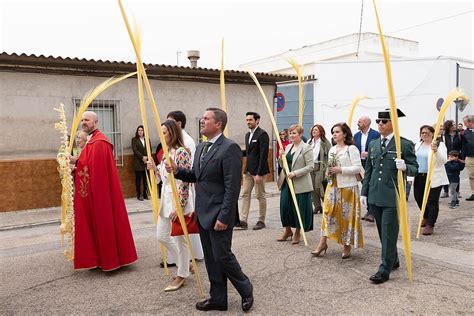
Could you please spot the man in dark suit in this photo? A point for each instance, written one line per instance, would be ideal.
(379, 189)
(362, 140)
(256, 168)
(217, 172)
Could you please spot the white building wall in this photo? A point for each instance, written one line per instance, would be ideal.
(417, 83)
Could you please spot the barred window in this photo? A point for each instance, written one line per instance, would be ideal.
(108, 112)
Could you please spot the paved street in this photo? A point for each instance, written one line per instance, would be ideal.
(35, 277)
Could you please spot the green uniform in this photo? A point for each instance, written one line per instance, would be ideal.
(379, 187)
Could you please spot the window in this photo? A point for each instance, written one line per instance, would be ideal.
(109, 123)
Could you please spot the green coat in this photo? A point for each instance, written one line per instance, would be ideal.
(381, 172)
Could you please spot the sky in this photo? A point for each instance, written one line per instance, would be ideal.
(252, 29)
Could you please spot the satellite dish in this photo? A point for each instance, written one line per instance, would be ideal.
(461, 104)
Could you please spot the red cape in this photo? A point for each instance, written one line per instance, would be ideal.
(103, 237)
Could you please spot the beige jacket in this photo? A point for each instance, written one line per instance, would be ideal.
(302, 165)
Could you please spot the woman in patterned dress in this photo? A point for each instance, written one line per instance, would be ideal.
(167, 212)
(341, 215)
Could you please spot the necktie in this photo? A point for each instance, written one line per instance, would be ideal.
(384, 140)
(205, 150)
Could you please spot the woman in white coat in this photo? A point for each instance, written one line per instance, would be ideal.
(167, 212)
(341, 212)
(439, 178)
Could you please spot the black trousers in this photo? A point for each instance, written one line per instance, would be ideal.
(221, 264)
(432, 205)
(140, 177)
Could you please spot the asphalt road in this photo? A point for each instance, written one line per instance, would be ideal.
(36, 278)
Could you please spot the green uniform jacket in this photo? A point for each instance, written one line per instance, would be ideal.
(381, 172)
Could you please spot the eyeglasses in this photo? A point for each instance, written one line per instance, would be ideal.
(425, 133)
(381, 121)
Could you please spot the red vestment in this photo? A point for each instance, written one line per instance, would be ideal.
(103, 237)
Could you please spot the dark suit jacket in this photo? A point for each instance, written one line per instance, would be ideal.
(217, 182)
(373, 134)
(257, 153)
(139, 151)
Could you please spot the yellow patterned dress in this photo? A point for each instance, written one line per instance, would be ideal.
(341, 215)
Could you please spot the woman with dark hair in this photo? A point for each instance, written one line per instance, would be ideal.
(139, 162)
(167, 212)
(341, 214)
(300, 163)
(438, 179)
(453, 141)
(320, 146)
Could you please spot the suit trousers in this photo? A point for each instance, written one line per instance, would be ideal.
(140, 177)
(432, 205)
(248, 185)
(319, 186)
(386, 219)
(176, 247)
(221, 264)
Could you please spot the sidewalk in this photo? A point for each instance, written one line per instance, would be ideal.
(52, 215)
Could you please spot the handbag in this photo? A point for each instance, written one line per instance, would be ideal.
(360, 175)
(191, 224)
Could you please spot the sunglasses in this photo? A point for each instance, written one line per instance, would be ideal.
(378, 121)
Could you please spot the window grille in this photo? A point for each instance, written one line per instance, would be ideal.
(108, 112)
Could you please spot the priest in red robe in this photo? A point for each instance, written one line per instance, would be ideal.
(103, 237)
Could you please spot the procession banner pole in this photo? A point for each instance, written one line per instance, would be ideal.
(455, 94)
(283, 157)
(156, 116)
(297, 69)
(355, 102)
(402, 203)
(222, 85)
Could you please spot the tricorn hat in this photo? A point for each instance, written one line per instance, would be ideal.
(385, 115)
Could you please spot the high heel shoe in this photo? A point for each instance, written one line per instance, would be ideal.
(317, 253)
(346, 254)
(285, 236)
(296, 239)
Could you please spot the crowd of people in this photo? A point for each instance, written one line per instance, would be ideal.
(338, 176)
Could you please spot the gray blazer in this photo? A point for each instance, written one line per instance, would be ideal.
(302, 165)
(217, 182)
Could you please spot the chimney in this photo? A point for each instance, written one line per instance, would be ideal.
(193, 56)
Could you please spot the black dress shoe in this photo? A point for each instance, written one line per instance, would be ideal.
(471, 198)
(396, 265)
(247, 303)
(379, 278)
(206, 305)
(162, 264)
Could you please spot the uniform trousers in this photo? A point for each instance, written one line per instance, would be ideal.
(386, 219)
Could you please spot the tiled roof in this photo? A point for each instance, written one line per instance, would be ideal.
(91, 67)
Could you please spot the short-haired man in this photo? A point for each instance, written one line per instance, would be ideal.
(381, 173)
(217, 172)
(103, 237)
(362, 140)
(467, 151)
(256, 168)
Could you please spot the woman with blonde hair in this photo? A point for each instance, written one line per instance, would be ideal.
(300, 162)
(341, 215)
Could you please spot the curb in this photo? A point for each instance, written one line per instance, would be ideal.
(57, 221)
